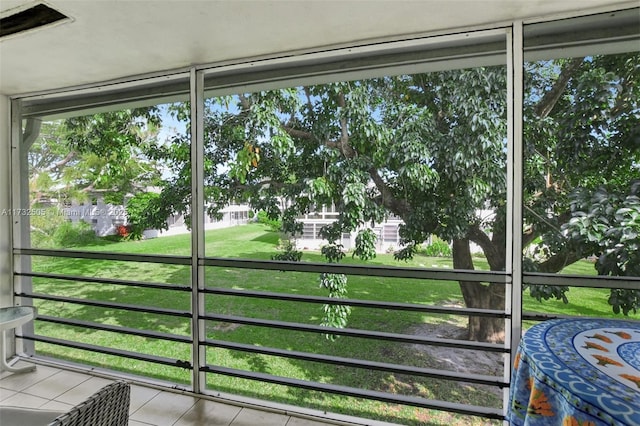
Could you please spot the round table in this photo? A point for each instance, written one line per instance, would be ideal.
(581, 372)
(12, 317)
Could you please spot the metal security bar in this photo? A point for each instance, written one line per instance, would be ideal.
(157, 258)
(591, 281)
(358, 302)
(105, 281)
(368, 270)
(117, 329)
(110, 351)
(124, 306)
(394, 337)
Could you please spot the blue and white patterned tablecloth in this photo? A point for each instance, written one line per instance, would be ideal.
(582, 372)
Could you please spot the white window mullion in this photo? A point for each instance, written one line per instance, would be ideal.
(515, 95)
(197, 227)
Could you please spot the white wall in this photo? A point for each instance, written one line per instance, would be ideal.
(104, 218)
(5, 191)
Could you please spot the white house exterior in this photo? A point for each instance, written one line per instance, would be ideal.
(387, 233)
(105, 218)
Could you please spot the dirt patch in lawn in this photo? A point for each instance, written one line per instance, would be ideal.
(454, 359)
(467, 361)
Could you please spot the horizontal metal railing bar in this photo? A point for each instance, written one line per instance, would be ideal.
(591, 281)
(103, 255)
(499, 277)
(109, 351)
(352, 362)
(496, 313)
(116, 329)
(396, 337)
(172, 287)
(473, 410)
(539, 316)
(124, 306)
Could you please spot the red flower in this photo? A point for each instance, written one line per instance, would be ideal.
(123, 231)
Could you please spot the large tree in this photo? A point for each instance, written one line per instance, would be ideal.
(431, 149)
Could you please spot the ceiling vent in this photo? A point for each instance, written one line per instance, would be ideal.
(29, 19)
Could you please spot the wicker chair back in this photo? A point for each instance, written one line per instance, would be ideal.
(107, 407)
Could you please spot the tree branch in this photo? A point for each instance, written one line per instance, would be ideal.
(70, 156)
(307, 93)
(303, 134)
(623, 98)
(345, 147)
(549, 100)
(494, 256)
(263, 183)
(535, 230)
(398, 206)
(90, 188)
(558, 261)
(244, 101)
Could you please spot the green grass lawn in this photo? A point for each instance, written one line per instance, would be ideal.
(256, 242)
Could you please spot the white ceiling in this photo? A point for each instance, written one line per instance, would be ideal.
(111, 39)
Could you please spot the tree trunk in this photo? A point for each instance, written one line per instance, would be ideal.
(479, 295)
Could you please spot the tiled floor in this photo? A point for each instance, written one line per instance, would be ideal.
(56, 389)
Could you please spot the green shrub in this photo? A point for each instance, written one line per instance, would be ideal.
(288, 251)
(437, 248)
(113, 238)
(44, 226)
(74, 234)
(274, 225)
